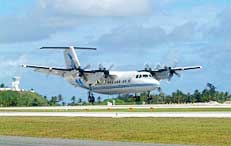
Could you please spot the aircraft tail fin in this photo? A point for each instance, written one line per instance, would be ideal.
(71, 58)
(70, 55)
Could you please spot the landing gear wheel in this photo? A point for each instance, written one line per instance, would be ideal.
(91, 98)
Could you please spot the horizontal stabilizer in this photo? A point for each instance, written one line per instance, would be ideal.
(63, 48)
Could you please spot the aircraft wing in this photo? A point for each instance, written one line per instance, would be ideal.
(90, 77)
(186, 68)
(48, 70)
(169, 72)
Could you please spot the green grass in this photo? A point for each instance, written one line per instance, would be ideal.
(132, 110)
(201, 131)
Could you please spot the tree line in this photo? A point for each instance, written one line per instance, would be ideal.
(14, 98)
(208, 94)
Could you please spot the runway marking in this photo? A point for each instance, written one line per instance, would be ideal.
(120, 114)
(28, 141)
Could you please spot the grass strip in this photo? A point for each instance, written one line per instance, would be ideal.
(199, 131)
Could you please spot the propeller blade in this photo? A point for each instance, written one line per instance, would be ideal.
(158, 66)
(177, 74)
(111, 67)
(170, 76)
(85, 77)
(87, 67)
(101, 67)
(175, 62)
(147, 66)
(112, 77)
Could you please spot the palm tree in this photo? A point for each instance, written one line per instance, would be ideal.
(2, 85)
(60, 98)
(63, 103)
(99, 99)
(197, 95)
(73, 99)
(80, 100)
(53, 100)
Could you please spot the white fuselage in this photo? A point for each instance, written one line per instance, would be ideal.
(124, 82)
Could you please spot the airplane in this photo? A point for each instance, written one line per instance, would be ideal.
(105, 81)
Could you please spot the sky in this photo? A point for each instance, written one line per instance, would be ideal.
(127, 33)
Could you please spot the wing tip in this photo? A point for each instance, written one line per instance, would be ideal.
(24, 65)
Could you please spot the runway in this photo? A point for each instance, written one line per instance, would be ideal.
(28, 141)
(121, 114)
(98, 107)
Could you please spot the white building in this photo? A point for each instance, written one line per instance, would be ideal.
(15, 85)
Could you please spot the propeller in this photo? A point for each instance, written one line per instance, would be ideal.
(82, 71)
(147, 67)
(106, 71)
(162, 68)
(172, 73)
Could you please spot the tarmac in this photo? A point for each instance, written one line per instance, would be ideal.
(29, 141)
(155, 106)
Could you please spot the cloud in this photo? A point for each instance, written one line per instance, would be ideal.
(29, 28)
(11, 67)
(183, 33)
(12, 62)
(139, 36)
(134, 36)
(222, 26)
(96, 7)
(33, 27)
(50, 17)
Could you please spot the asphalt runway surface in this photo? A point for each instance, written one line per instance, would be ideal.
(28, 141)
(120, 114)
(194, 105)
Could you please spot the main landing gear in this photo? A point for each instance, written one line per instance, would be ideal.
(150, 98)
(91, 98)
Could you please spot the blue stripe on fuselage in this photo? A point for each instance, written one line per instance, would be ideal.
(80, 83)
(121, 86)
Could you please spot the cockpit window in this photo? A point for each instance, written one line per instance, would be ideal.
(145, 76)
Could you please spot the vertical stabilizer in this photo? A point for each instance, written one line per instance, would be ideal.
(71, 58)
